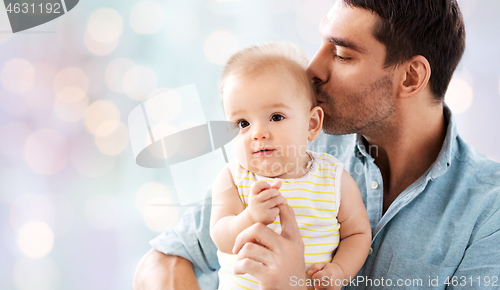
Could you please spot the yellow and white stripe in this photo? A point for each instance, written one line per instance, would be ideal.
(315, 199)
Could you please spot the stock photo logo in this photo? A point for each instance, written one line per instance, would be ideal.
(26, 14)
(170, 131)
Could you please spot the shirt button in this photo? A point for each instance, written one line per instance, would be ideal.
(374, 184)
(371, 251)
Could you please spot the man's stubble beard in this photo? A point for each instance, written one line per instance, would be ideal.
(360, 114)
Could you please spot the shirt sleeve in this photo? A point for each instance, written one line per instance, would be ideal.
(480, 266)
(190, 239)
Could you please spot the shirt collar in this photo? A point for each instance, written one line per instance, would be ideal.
(444, 158)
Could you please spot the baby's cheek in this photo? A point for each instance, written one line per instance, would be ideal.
(241, 151)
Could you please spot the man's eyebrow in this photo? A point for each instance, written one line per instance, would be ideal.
(347, 44)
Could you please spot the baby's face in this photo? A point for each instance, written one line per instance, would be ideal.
(273, 117)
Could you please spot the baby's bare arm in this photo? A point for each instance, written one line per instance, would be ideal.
(355, 231)
(229, 218)
(355, 236)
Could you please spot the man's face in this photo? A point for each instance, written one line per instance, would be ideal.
(353, 86)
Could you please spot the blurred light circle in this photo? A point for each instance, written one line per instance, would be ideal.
(158, 92)
(70, 104)
(73, 77)
(147, 17)
(29, 207)
(87, 160)
(219, 46)
(35, 239)
(18, 75)
(71, 95)
(17, 132)
(111, 137)
(100, 112)
(107, 128)
(99, 48)
(102, 212)
(182, 26)
(168, 107)
(148, 192)
(459, 96)
(45, 151)
(115, 72)
(39, 274)
(105, 25)
(139, 82)
(154, 202)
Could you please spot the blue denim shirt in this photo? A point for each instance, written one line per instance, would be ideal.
(442, 232)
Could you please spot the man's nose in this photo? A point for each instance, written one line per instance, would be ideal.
(259, 132)
(318, 68)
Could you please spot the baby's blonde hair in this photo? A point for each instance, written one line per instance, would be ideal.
(254, 59)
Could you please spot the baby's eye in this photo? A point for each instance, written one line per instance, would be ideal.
(243, 123)
(277, 118)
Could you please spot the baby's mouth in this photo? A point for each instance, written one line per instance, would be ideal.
(264, 152)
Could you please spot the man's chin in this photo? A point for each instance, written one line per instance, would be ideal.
(335, 129)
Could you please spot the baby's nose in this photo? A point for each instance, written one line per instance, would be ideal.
(260, 132)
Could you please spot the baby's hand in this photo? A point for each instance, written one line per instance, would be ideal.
(332, 271)
(263, 201)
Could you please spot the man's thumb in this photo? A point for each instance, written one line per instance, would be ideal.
(289, 227)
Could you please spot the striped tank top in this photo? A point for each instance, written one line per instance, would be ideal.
(315, 199)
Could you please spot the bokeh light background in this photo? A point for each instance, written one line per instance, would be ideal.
(74, 206)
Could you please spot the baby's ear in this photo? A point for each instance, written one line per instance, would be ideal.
(315, 122)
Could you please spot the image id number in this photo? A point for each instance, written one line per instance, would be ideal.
(25, 8)
(470, 281)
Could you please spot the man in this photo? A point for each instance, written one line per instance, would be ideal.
(433, 201)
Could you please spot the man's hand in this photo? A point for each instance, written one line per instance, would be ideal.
(331, 270)
(275, 260)
(263, 202)
(157, 271)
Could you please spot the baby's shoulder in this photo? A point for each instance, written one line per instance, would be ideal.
(326, 159)
(224, 180)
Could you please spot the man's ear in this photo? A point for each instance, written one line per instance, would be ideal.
(416, 75)
(316, 116)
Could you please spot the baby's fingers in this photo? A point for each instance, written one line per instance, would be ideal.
(259, 186)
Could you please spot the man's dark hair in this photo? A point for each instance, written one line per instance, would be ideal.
(431, 28)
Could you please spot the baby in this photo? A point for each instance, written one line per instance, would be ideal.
(267, 93)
